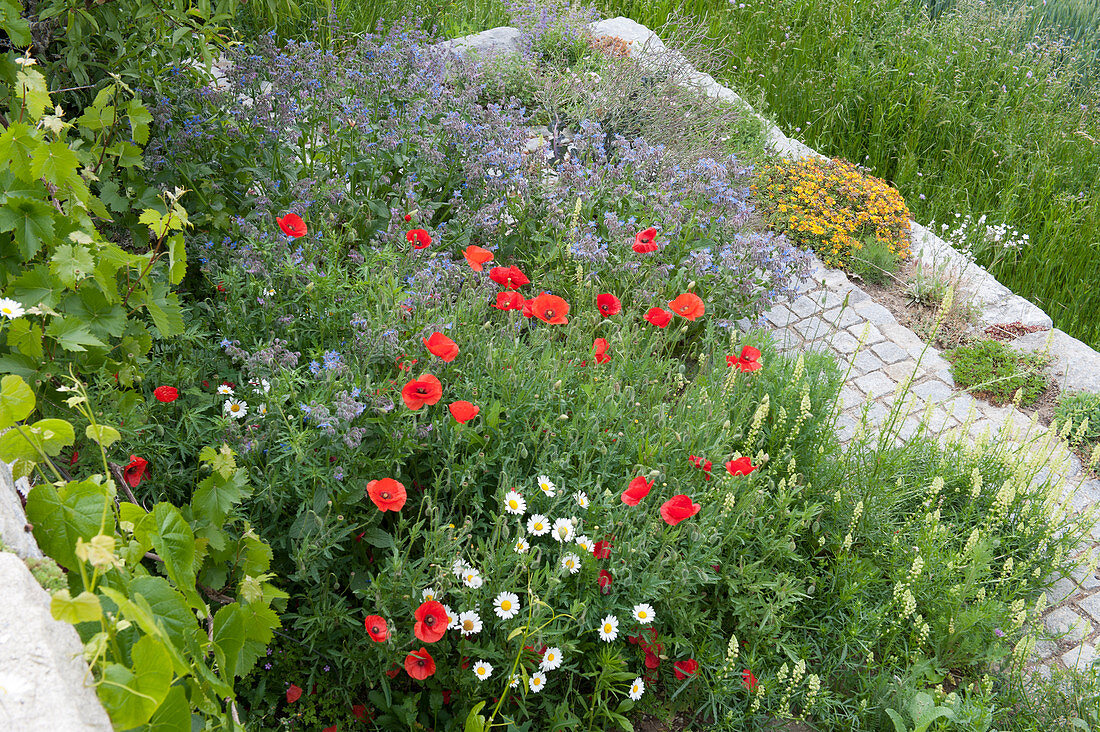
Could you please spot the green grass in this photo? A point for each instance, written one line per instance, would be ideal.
(998, 371)
(932, 95)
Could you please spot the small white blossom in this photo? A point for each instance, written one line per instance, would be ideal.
(571, 562)
(637, 689)
(563, 530)
(225, 390)
(538, 524)
(537, 681)
(644, 614)
(514, 503)
(235, 408)
(506, 605)
(609, 629)
(582, 499)
(11, 309)
(551, 659)
(469, 622)
(482, 670)
(522, 546)
(546, 486)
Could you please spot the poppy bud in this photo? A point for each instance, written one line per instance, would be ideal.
(726, 425)
(557, 384)
(563, 417)
(691, 285)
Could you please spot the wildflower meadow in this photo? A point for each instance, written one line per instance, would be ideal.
(363, 386)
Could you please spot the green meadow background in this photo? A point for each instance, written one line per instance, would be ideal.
(967, 107)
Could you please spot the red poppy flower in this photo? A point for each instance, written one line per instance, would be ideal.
(704, 465)
(418, 392)
(604, 581)
(740, 466)
(447, 696)
(688, 306)
(509, 301)
(748, 679)
(293, 694)
(166, 394)
(431, 622)
(608, 304)
(637, 490)
(476, 256)
(420, 664)
(74, 458)
(652, 660)
(463, 411)
(393, 672)
(376, 628)
(602, 550)
(678, 508)
(550, 309)
(359, 711)
(748, 361)
(408, 217)
(419, 238)
(600, 345)
(387, 494)
(644, 241)
(509, 277)
(405, 365)
(442, 346)
(658, 317)
(686, 668)
(292, 225)
(525, 308)
(134, 473)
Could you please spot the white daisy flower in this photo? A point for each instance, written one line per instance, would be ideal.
(225, 390)
(582, 499)
(515, 681)
(452, 618)
(262, 410)
(538, 524)
(472, 578)
(609, 629)
(459, 567)
(11, 309)
(469, 622)
(585, 543)
(522, 546)
(551, 659)
(429, 594)
(235, 408)
(563, 530)
(482, 670)
(507, 605)
(571, 562)
(269, 292)
(644, 614)
(537, 681)
(261, 386)
(637, 689)
(514, 503)
(546, 486)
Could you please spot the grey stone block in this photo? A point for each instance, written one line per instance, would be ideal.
(1060, 590)
(876, 313)
(865, 362)
(876, 383)
(844, 343)
(841, 317)
(933, 391)
(813, 327)
(1064, 623)
(805, 306)
(902, 370)
(780, 316)
(1074, 365)
(42, 669)
(890, 352)
(1080, 658)
(1044, 649)
(493, 41)
(874, 335)
(13, 521)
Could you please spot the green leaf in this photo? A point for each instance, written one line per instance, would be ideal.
(101, 433)
(12, 23)
(16, 401)
(140, 119)
(169, 608)
(36, 285)
(254, 555)
(173, 714)
(130, 696)
(71, 263)
(475, 722)
(16, 145)
(32, 90)
(377, 537)
(91, 306)
(27, 338)
(31, 222)
(216, 496)
(229, 636)
(61, 517)
(260, 622)
(221, 461)
(72, 334)
(175, 543)
(177, 259)
(164, 309)
(28, 442)
(55, 163)
(109, 259)
(83, 608)
(55, 435)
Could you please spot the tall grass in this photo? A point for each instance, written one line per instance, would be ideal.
(967, 107)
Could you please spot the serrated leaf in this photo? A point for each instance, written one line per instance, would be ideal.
(16, 145)
(89, 305)
(131, 695)
(61, 517)
(164, 308)
(102, 434)
(72, 334)
(13, 24)
(55, 163)
(254, 555)
(140, 119)
(177, 259)
(109, 259)
(55, 434)
(175, 543)
(16, 401)
(229, 637)
(173, 714)
(169, 608)
(27, 337)
(216, 496)
(30, 221)
(36, 285)
(31, 88)
(71, 263)
(83, 608)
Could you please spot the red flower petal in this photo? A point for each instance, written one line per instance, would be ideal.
(387, 494)
(637, 490)
(420, 664)
(476, 257)
(419, 238)
(688, 306)
(740, 466)
(550, 309)
(377, 628)
(686, 668)
(292, 225)
(166, 394)
(463, 411)
(134, 473)
(431, 622)
(678, 508)
(658, 317)
(293, 694)
(418, 392)
(608, 304)
(510, 277)
(442, 346)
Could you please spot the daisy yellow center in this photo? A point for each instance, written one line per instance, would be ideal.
(506, 605)
(469, 578)
(568, 562)
(237, 408)
(607, 627)
(6, 310)
(536, 682)
(643, 614)
(550, 657)
(428, 597)
(538, 527)
(513, 503)
(467, 625)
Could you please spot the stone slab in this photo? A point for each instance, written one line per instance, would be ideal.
(1074, 365)
(13, 521)
(42, 669)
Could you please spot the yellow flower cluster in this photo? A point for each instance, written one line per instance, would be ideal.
(831, 206)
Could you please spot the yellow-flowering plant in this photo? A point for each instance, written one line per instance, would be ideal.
(832, 207)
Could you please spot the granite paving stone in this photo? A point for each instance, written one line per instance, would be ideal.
(1065, 624)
